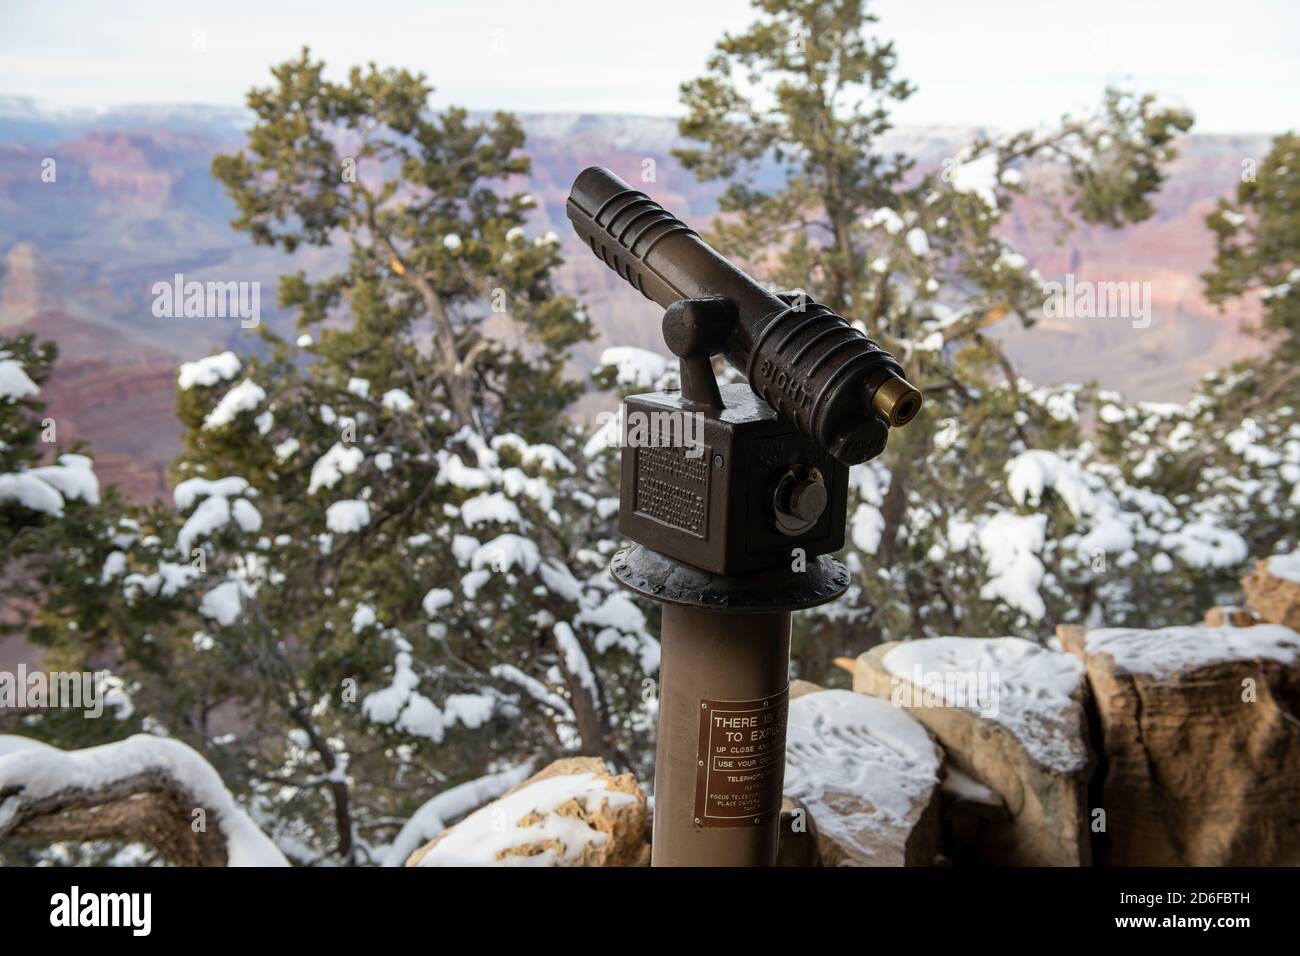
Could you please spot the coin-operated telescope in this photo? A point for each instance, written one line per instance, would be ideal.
(735, 498)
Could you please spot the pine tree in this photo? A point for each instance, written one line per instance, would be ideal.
(55, 531)
(1257, 245)
(385, 570)
(1233, 451)
(1236, 444)
(24, 367)
(53, 517)
(941, 541)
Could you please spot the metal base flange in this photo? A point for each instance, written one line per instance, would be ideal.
(661, 578)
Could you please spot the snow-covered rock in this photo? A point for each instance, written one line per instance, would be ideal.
(1273, 590)
(143, 788)
(1201, 742)
(573, 813)
(975, 818)
(799, 843)
(869, 775)
(429, 821)
(1010, 714)
(1227, 616)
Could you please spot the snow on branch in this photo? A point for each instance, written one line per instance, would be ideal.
(575, 658)
(49, 487)
(143, 789)
(534, 689)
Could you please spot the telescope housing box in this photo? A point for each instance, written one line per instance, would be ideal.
(701, 485)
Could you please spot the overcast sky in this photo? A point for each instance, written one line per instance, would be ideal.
(1005, 63)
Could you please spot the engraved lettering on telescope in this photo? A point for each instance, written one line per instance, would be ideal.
(673, 488)
(787, 382)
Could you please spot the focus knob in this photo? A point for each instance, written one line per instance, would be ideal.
(799, 500)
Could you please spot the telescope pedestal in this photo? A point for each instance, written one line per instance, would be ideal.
(708, 657)
(724, 685)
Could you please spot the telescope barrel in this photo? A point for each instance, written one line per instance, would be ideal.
(806, 362)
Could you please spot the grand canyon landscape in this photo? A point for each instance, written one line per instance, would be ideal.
(134, 203)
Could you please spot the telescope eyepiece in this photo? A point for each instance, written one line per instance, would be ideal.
(895, 400)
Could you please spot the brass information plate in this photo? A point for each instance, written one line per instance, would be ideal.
(740, 761)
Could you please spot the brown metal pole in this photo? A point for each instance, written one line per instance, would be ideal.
(720, 759)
